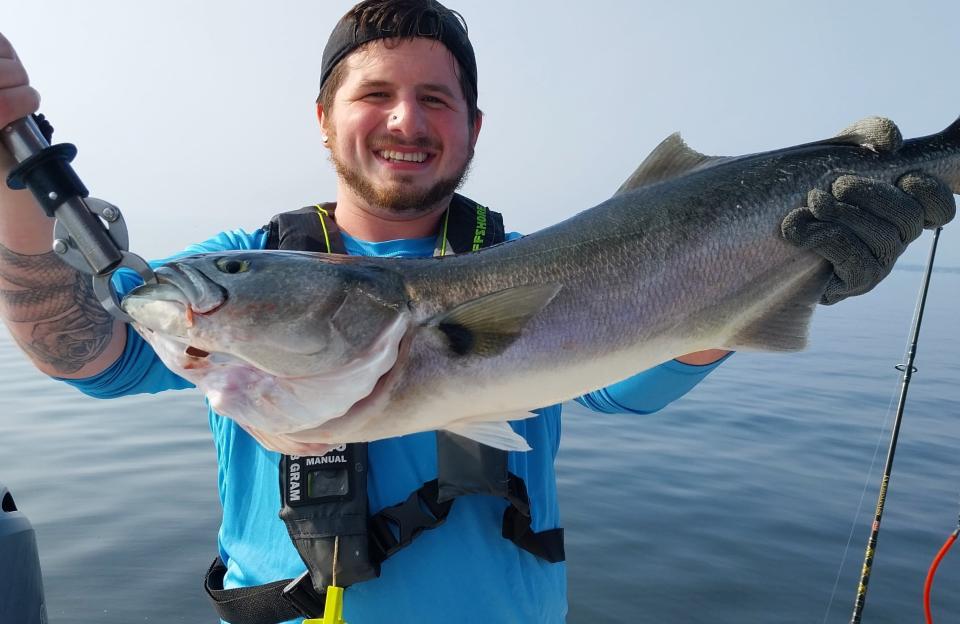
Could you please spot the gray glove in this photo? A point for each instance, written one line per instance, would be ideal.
(862, 226)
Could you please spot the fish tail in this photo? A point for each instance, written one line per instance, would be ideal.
(951, 135)
(953, 130)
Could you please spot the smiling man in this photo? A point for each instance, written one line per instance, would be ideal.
(401, 134)
(424, 528)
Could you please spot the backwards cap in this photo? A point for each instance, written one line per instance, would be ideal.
(432, 21)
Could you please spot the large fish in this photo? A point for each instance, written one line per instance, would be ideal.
(308, 350)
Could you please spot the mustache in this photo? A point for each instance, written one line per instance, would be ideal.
(424, 142)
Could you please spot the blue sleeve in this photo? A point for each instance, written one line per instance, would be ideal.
(138, 370)
(649, 391)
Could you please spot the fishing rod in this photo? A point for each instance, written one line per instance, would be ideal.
(907, 369)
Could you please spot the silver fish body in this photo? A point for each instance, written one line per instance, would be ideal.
(687, 256)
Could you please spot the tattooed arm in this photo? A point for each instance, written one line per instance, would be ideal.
(48, 306)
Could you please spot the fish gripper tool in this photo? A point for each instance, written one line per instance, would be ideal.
(89, 234)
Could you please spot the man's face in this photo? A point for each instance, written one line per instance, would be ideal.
(398, 130)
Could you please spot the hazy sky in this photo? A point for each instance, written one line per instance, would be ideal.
(196, 117)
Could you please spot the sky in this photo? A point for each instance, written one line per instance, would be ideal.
(196, 117)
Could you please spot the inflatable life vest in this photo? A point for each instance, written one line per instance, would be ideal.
(324, 500)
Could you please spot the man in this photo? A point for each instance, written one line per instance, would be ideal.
(398, 109)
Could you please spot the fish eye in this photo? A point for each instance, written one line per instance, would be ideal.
(232, 265)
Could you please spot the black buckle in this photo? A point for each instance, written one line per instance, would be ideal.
(304, 598)
(409, 518)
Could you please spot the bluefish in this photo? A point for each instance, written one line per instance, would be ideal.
(307, 348)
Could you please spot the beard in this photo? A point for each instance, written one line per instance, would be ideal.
(399, 196)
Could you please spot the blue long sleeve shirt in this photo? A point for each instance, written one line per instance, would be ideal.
(463, 570)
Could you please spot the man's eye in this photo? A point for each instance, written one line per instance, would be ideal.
(232, 265)
(376, 95)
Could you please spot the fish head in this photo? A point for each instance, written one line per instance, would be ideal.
(285, 313)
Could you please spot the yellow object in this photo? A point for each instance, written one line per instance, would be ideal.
(332, 609)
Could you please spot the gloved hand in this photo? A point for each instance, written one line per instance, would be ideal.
(863, 225)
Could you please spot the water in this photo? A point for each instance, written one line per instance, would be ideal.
(733, 505)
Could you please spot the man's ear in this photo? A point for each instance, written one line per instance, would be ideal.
(322, 120)
(477, 123)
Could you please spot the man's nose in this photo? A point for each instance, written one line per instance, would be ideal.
(407, 118)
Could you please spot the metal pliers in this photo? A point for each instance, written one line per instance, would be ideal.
(89, 234)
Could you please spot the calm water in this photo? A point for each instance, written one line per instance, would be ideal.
(733, 505)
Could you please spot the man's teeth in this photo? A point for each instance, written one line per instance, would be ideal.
(404, 156)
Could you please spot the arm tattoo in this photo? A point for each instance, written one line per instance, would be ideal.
(71, 328)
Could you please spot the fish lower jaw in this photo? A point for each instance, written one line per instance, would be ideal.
(169, 318)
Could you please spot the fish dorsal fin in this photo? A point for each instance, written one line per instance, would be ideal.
(671, 159)
(487, 325)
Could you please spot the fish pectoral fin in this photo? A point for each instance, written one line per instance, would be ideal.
(488, 325)
(671, 159)
(496, 434)
(784, 324)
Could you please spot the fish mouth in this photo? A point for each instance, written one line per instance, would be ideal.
(197, 292)
(184, 285)
(180, 292)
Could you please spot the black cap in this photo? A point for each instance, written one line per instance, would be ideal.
(437, 22)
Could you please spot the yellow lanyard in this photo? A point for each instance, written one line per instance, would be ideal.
(333, 607)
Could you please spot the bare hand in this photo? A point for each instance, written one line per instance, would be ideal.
(17, 98)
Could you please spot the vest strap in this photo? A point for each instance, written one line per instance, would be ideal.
(310, 228)
(260, 604)
(465, 466)
(389, 530)
(548, 545)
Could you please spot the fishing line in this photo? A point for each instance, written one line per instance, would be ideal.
(907, 369)
(863, 495)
